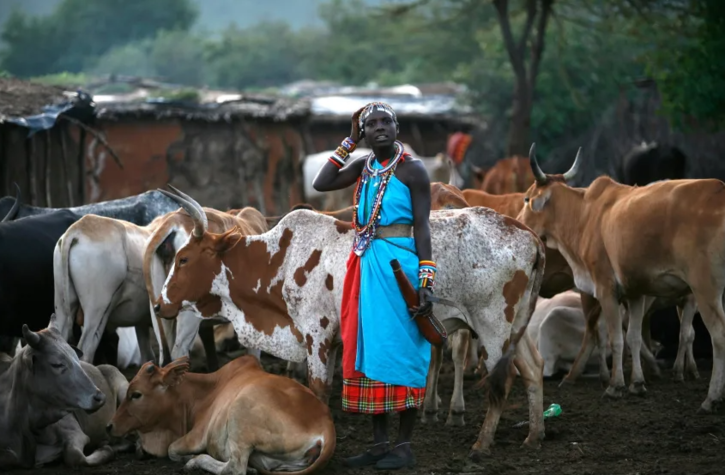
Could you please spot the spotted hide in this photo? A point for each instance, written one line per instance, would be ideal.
(282, 290)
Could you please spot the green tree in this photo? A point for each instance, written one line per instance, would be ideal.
(79, 31)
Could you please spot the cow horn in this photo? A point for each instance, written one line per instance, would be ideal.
(16, 205)
(31, 338)
(193, 208)
(569, 175)
(535, 168)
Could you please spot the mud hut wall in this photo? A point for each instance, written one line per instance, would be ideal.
(427, 137)
(44, 165)
(223, 165)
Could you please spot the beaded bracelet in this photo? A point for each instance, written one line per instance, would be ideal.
(343, 152)
(427, 274)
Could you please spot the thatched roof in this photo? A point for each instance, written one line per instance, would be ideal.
(20, 98)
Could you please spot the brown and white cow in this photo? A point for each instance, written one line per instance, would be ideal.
(169, 236)
(282, 290)
(236, 418)
(625, 243)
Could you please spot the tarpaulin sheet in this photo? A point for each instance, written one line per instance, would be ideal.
(80, 108)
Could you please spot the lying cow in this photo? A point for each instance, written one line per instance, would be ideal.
(52, 405)
(557, 327)
(237, 417)
(282, 290)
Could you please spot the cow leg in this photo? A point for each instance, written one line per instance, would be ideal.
(297, 370)
(94, 326)
(460, 342)
(323, 359)
(610, 311)
(482, 446)
(431, 400)
(206, 333)
(75, 440)
(686, 313)
(144, 342)
(709, 300)
(472, 360)
(193, 443)
(592, 312)
(531, 368)
(635, 309)
(188, 325)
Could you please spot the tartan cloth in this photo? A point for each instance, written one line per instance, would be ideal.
(367, 396)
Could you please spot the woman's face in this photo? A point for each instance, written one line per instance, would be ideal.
(380, 129)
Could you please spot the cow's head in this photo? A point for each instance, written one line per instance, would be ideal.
(56, 375)
(150, 403)
(546, 195)
(196, 264)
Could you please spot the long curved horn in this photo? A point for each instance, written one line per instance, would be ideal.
(195, 211)
(539, 175)
(202, 213)
(569, 175)
(13, 211)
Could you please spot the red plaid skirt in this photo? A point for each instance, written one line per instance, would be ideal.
(366, 396)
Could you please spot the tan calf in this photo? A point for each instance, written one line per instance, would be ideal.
(227, 421)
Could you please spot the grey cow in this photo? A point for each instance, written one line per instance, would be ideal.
(52, 405)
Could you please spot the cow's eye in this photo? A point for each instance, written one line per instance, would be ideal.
(57, 365)
(135, 395)
(183, 261)
(526, 199)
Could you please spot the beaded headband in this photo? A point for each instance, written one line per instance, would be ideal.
(377, 106)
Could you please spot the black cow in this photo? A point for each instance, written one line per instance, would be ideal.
(139, 209)
(26, 270)
(647, 163)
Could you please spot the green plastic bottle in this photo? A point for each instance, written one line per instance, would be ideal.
(553, 411)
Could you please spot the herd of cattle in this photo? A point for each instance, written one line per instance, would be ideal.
(546, 277)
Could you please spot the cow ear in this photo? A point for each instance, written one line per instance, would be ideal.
(174, 373)
(228, 240)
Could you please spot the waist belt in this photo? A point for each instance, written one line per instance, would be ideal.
(394, 230)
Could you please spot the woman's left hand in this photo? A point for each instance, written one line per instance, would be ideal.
(423, 294)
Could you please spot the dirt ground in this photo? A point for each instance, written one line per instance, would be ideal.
(657, 434)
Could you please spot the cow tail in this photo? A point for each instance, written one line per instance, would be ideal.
(65, 242)
(149, 254)
(495, 381)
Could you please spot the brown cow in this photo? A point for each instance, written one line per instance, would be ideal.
(508, 175)
(240, 415)
(625, 243)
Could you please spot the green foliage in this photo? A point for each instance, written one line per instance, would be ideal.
(79, 31)
(690, 71)
(64, 79)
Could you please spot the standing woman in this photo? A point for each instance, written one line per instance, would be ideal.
(385, 357)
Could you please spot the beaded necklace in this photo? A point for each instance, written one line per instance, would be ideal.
(365, 233)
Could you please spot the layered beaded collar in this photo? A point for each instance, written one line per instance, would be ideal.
(365, 233)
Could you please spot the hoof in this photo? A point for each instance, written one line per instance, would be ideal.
(614, 393)
(708, 407)
(429, 417)
(678, 377)
(533, 443)
(637, 388)
(455, 418)
(694, 375)
(476, 456)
